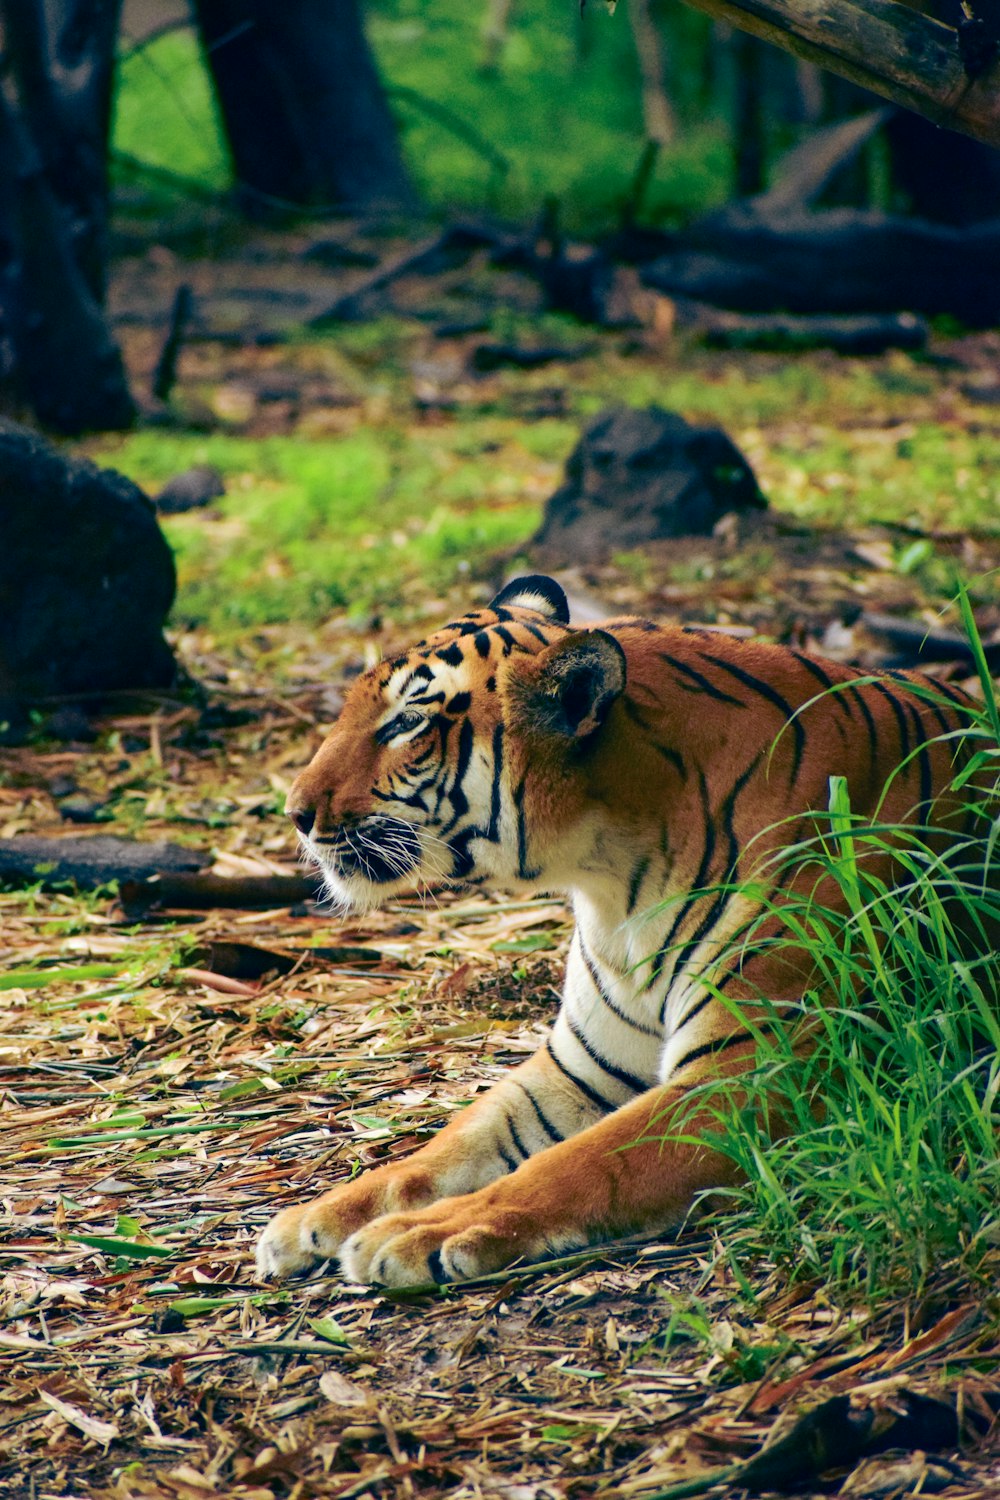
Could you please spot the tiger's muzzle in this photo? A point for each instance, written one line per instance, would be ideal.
(379, 849)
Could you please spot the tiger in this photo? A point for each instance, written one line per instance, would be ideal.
(642, 770)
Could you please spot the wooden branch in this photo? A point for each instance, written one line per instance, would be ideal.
(197, 892)
(92, 861)
(885, 46)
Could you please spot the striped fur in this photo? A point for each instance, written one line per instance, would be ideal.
(646, 771)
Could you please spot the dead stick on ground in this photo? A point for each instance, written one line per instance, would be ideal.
(166, 366)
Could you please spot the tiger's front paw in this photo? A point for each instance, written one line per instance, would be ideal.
(453, 1240)
(285, 1246)
(301, 1237)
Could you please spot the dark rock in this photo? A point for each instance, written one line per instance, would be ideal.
(190, 490)
(79, 808)
(636, 476)
(68, 724)
(86, 576)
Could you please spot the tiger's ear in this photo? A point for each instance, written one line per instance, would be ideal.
(536, 592)
(569, 688)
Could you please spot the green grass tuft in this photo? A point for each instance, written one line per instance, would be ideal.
(886, 1165)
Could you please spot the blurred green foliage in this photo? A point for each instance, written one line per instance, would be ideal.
(561, 116)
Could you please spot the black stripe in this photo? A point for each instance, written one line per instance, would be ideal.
(493, 828)
(695, 1010)
(924, 762)
(509, 640)
(518, 1143)
(413, 800)
(459, 846)
(675, 758)
(603, 994)
(578, 1083)
(524, 872)
(482, 644)
(957, 695)
(820, 674)
(945, 724)
(720, 1044)
(505, 1156)
(656, 967)
(858, 697)
(452, 654)
(898, 714)
(635, 884)
(758, 685)
(456, 795)
(555, 1136)
(700, 679)
(630, 1080)
(536, 631)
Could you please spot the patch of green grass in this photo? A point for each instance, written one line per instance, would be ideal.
(936, 477)
(314, 525)
(165, 112)
(345, 525)
(886, 1165)
(564, 110)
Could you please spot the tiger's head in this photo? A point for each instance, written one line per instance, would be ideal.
(464, 759)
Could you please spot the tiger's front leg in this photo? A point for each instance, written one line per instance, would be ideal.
(617, 1177)
(533, 1108)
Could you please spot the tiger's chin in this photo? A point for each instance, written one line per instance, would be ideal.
(354, 893)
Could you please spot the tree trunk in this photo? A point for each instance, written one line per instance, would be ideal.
(303, 107)
(749, 145)
(63, 56)
(948, 74)
(53, 211)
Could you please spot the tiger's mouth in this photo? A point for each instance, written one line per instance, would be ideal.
(378, 849)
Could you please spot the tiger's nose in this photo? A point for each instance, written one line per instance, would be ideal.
(303, 818)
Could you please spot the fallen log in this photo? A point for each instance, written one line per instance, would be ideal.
(156, 891)
(836, 261)
(852, 333)
(92, 861)
(489, 357)
(950, 73)
(914, 644)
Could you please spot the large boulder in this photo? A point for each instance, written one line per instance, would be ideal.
(86, 576)
(636, 476)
